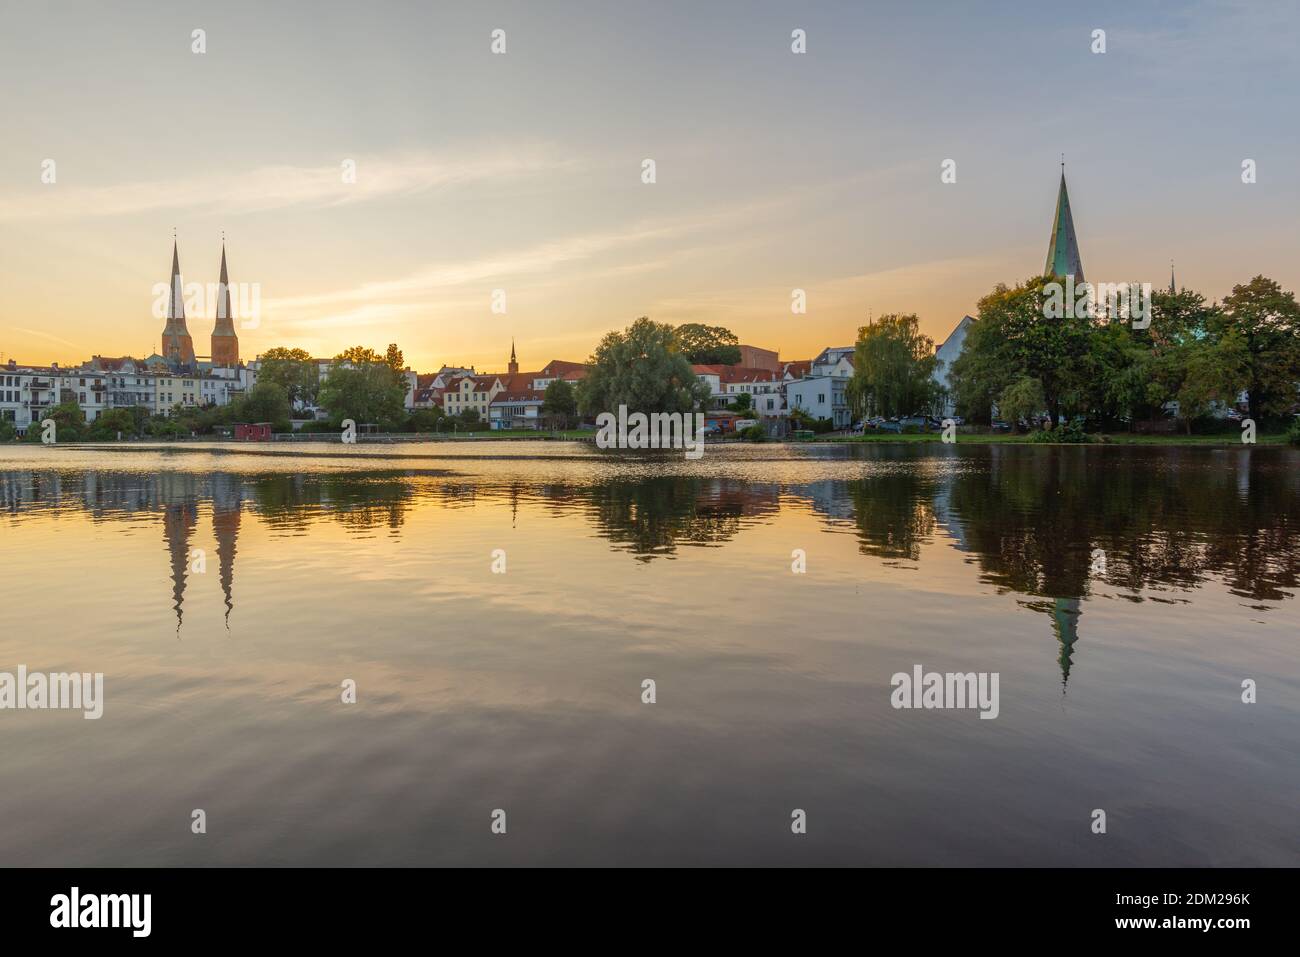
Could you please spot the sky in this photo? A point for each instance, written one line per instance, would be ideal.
(523, 171)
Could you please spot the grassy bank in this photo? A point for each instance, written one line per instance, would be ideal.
(1115, 438)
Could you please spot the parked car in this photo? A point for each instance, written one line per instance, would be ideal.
(891, 425)
(1000, 426)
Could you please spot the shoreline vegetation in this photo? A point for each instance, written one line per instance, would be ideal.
(1223, 440)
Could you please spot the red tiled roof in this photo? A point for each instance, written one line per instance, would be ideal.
(522, 395)
(747, 374)
(558, 367)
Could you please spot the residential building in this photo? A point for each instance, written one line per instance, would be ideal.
(945, 354)
(822, 397)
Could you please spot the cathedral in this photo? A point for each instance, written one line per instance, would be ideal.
(177, 345)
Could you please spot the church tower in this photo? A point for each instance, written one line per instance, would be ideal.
(1063, 247)
(177, 346)
(514, 363)
(225, 342)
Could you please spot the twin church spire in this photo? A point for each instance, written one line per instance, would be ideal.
(177, 345)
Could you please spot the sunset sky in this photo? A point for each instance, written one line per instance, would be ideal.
(522, 171)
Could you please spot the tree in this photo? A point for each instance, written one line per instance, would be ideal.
(1266, 319)
(707, 345)
(470, 419)
(69, 423)
(366, 392)
(560, 402)
(7, 430)
(643, 369)
(111, 422)
(1023, 399)
(393, 357)
(742, 404)
(294, 371)
(1015, 339)
(265, 402)
(893, 368)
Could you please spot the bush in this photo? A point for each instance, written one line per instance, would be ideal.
(1071, 433)
(7, 431)
(754, 433)
(1293, 433)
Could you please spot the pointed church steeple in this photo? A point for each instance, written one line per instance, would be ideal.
(176, 300)
(514, 363)
(225, 341)
(1063, 247)
(177, 346)
(1173, 288)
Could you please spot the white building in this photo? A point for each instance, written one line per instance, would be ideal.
(822, 397)
(946, 354)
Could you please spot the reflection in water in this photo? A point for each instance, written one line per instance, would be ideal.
(1148, 582)
(1031, 520)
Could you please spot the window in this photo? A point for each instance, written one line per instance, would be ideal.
(821, 398)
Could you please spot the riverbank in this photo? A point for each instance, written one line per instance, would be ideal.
(1225, 439)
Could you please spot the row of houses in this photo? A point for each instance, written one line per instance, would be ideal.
(776, 389)
(29, 392)
(514, 399)
(509, 400)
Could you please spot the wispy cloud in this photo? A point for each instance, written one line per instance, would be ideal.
(281, 186)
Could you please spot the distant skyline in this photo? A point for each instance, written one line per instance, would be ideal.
(522, 171)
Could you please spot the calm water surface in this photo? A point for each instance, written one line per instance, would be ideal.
(1122, 594)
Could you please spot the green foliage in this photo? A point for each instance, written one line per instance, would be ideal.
(470, 420)
(69, 421)
(560, 403)
(754, 433)
(112, 421)
(1022, 399)
(368, 391)
(707, 345)
(293, 370)
(742, 404)
(8, 431)
(1293, 433)
(265, 402)
(425, 420)
(1266, 321)
(642, 369)
(893, 365)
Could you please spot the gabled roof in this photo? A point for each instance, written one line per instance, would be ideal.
(796, 369)
(732, 374)
(558, 367)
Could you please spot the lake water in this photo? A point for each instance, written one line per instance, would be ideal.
(1122, 595)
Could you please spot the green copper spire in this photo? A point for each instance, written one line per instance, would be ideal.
(1063, 248)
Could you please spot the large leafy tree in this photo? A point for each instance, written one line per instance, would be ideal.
(893, 368)
(265, 402)
(293, 371)
(643, 369)
(1266, 320)
(362, 386)
(1015, 339)
(708, 345)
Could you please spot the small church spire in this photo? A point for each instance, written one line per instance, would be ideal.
(514, 363)
(1172, 287)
